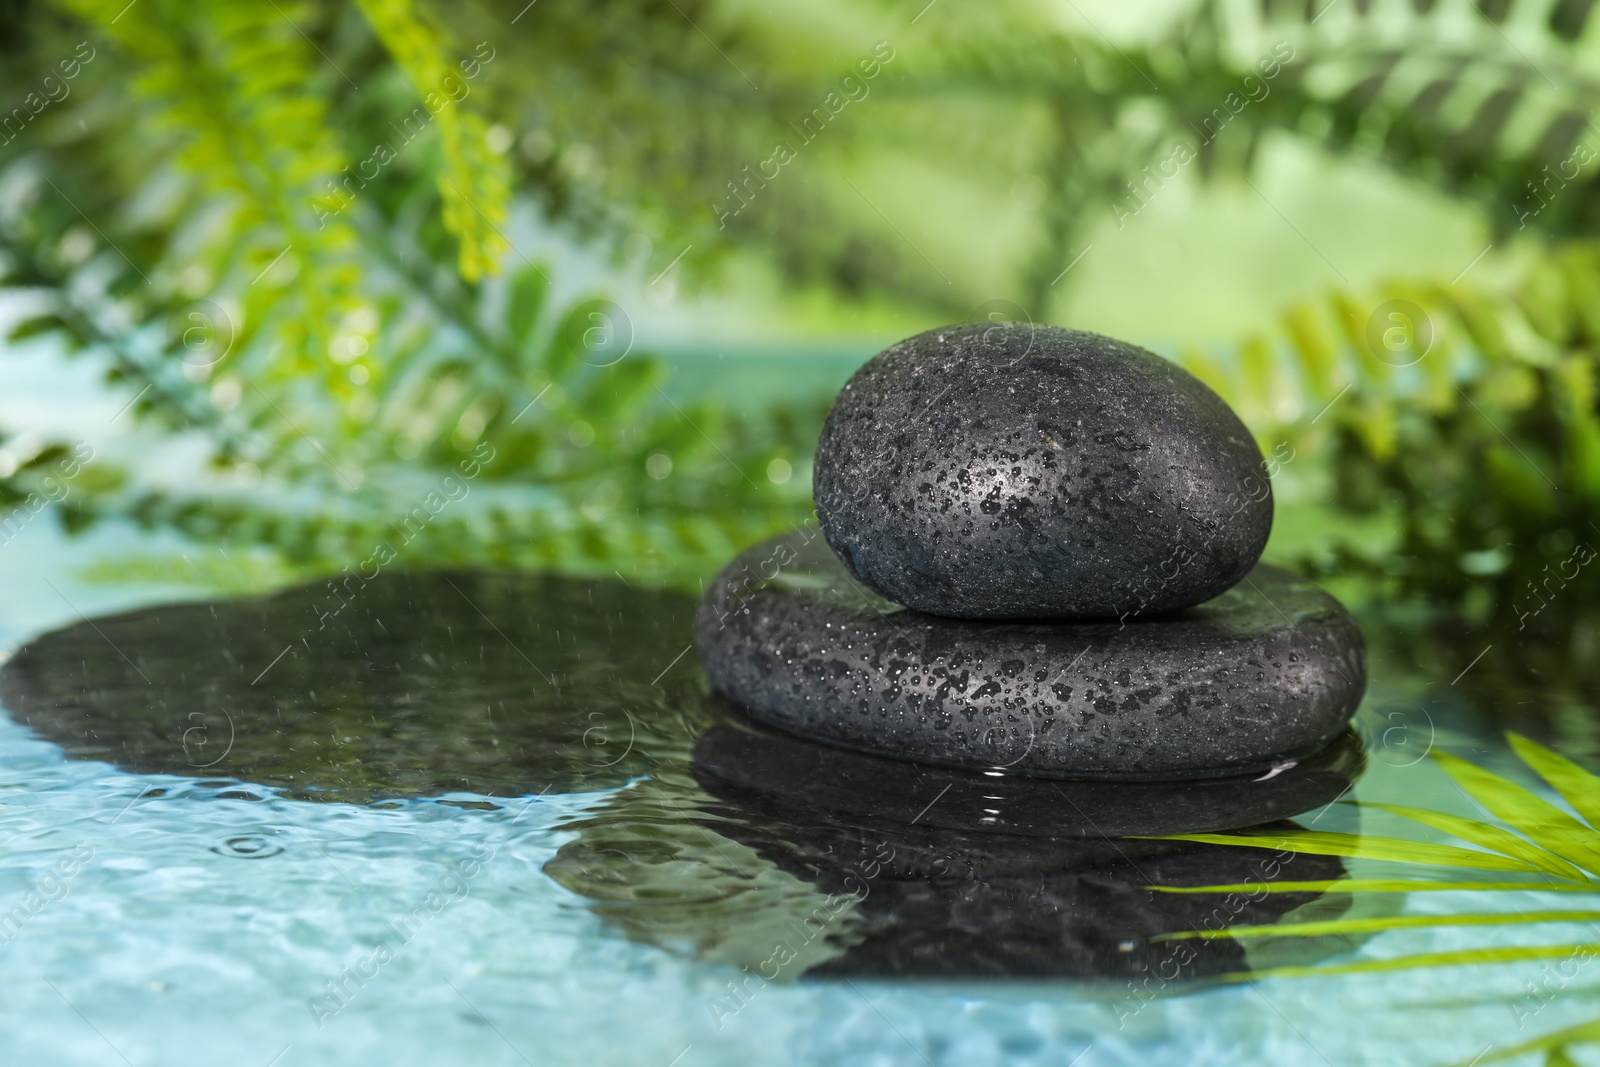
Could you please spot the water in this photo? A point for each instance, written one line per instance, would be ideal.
(496, 820)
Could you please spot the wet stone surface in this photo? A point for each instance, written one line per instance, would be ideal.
(405, 685)
(1021, 471)
(1268, 672)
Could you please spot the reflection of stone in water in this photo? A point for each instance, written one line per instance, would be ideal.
(941, 903)
(953, 897)
(412, 684)
(654, 866)
(749, 758)
(839, 859)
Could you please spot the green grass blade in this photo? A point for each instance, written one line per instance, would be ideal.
(1376, 885)
(1488, 836)
(1543, 822)
(1391, 922)
(1352, 846)
(1577, 786)
(1426, 959)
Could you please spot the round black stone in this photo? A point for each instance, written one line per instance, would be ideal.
(1020, 471)
(1268, 672)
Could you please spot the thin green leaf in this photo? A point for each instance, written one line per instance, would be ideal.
(1425, 959)
(1391, 922)
(1352, 846)
(1542, 821)
(1488, 836)
(1583, 1033)
(1577, 786)
(1375, 885)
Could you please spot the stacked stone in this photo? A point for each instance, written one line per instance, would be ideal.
(1036, 551)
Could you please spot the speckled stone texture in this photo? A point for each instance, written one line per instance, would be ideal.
(1268, 672)
(1020, 471)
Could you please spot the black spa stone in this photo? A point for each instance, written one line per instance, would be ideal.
(1268, 672)
(1020, 471)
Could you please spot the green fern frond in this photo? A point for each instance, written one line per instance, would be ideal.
(1464, 410)
(1339, 927)
(1491, 101)
(475, 182)
(232, 84)
(1530, 822)
(1538, 836)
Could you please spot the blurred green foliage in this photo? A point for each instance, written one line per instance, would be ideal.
(1474, 425)
(284, 226)
(210, 215)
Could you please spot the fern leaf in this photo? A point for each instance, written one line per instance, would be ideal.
(475, 182)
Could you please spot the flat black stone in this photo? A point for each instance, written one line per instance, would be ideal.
(404, 685)
(1019, 471)
(1268, 672)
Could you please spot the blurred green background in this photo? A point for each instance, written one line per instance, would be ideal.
(570, 286)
